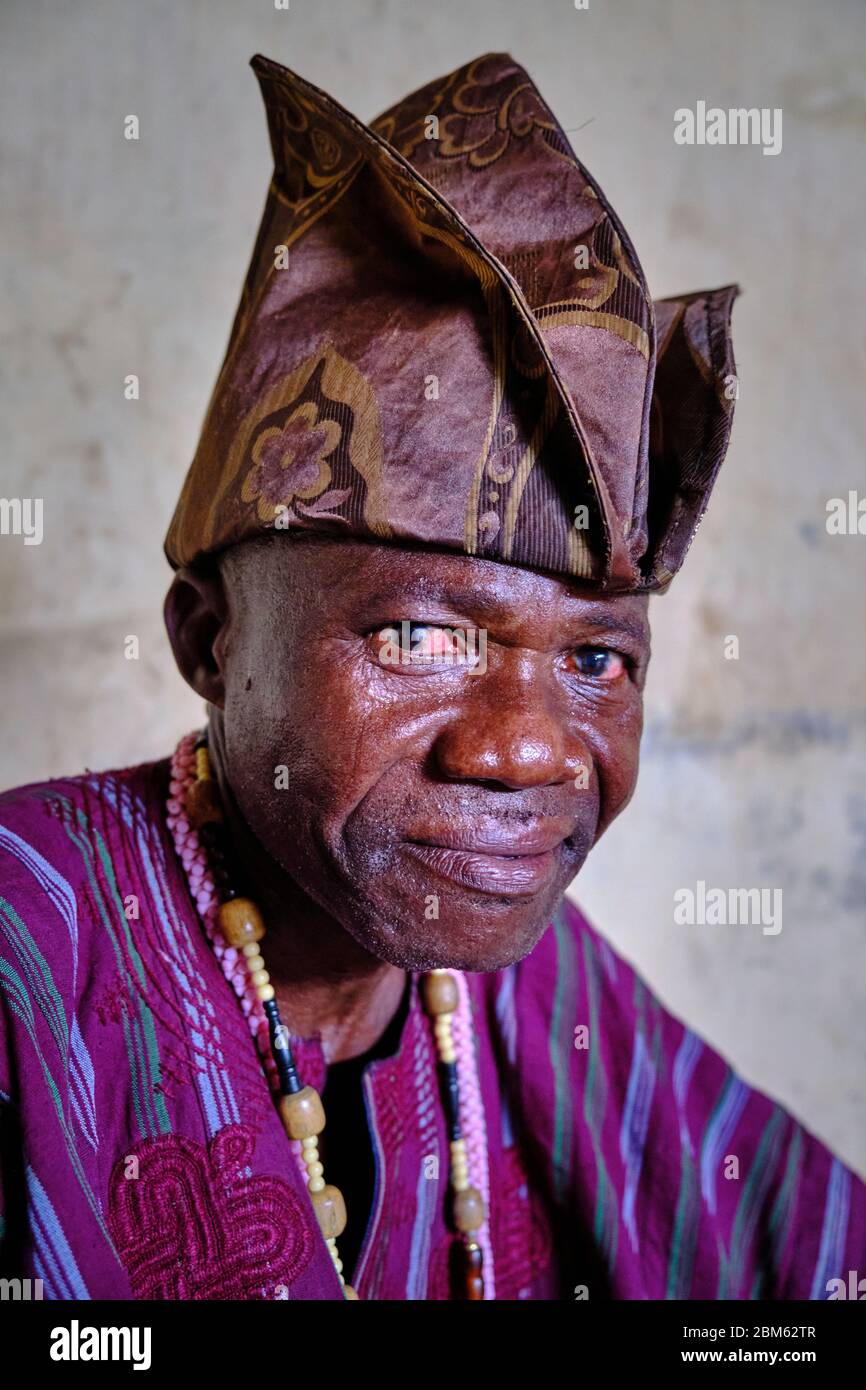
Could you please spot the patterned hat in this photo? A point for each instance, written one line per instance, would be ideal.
(445, 339)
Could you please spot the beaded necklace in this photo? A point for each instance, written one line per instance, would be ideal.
(235, 928)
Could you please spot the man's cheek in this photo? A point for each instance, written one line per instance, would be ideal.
(618, 778)
(616, 755)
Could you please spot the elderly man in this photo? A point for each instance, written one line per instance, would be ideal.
(302, 1012)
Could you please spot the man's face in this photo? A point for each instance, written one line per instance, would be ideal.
(456, 734)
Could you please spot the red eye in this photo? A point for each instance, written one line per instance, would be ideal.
(600, 663)
(434, 643)
(419, 644)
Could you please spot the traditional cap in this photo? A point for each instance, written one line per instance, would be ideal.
(445, 338)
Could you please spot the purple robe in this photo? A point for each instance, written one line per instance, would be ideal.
(143, 1157)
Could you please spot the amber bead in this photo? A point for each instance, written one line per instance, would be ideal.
(474, 1259)
(469, 1210)
(439, 993)
(241, 922)
(330, 1210)
(203, 805)
(474, 1288)
(350, 1292)
(302, 1113)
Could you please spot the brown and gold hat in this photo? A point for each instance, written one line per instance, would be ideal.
(445, 339)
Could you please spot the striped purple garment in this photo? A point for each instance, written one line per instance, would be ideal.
(142, 1154)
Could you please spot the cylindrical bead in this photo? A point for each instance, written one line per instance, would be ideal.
(330, 1210)
(302, 1113)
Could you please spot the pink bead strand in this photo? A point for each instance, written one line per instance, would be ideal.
(203, 892)
(192, 853)
(472, 1119)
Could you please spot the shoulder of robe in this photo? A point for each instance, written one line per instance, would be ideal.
(50, 830)
(70, 847)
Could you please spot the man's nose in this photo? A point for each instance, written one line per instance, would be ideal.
(513, 729)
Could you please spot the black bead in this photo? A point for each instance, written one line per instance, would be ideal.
(450, 1098)
(281, 1050)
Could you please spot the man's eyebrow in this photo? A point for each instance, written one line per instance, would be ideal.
(624, 622)
(421, 588)
(466, 599)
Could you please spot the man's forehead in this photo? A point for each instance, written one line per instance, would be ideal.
(371, 577)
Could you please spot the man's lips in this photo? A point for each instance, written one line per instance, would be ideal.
(502, 863)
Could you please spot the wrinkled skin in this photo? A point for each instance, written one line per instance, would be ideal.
(432, 786)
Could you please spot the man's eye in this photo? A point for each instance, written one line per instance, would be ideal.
(601, 663)
(431, 643)
(406, 643)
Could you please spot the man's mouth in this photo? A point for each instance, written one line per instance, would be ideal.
(503, 864)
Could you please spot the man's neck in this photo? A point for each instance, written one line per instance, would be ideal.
(324, 980)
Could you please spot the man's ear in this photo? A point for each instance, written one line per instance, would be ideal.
(196, 614)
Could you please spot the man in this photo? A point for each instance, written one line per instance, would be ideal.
(304, 1014)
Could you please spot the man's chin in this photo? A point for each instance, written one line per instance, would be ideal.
(488, 935)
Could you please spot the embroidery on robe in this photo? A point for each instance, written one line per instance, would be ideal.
(193, 1225)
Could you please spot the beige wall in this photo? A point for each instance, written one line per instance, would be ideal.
(128, 257)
